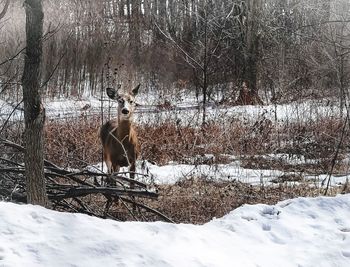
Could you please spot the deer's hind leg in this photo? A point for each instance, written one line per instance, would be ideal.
(109, 166)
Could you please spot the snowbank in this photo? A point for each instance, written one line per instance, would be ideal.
(299, 232)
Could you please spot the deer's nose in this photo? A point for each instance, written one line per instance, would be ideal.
(125, 111)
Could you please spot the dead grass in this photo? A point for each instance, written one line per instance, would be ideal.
(74, 143)
(198, 201)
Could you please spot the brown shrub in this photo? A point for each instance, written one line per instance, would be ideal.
(73, 142)
(198, 201)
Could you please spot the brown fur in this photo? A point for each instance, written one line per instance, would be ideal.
(118, 136)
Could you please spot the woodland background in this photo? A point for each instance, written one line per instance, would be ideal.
(284, 49)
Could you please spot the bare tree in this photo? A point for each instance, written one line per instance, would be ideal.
(250, 17)
(268, 44)
(134, 24)
(203, 51)
(34, 112)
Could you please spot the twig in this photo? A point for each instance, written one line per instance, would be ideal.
(334, 159)
(13, 57)
(11, 162)
(164, 217)
(129, 210)
(116, 176)
(108, 205)
(59, 193)
(84, 191)
(10, 115)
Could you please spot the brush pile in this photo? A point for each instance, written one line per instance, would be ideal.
(81, 191)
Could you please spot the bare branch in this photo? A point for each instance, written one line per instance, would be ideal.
(4, 10)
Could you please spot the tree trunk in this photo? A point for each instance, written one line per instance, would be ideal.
(135, 38)
(252, 44)
(249, 92)
(34, 112)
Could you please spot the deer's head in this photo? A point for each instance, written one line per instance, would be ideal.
(126, 101)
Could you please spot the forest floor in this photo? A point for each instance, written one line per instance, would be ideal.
(243, 154)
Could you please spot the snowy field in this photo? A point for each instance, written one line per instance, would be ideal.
(185, 109)
(299, 232)
(173, 172)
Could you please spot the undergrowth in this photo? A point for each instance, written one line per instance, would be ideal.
(308, 148)
(75, 143)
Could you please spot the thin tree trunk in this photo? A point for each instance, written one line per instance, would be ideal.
(134, 24)
(252, 44)
(249, 92)
(34, 112)
(205, 66)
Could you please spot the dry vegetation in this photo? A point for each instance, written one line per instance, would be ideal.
(198, 201)
(74, 143)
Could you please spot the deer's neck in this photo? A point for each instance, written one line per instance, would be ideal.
(124, 127)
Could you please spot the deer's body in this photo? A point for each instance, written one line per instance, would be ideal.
(118, 136)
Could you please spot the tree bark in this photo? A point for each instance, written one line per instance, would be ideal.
(34, 112)
(249, 92)
(252, 44)
(135, 31)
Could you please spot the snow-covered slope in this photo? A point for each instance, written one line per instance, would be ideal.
(300, 232)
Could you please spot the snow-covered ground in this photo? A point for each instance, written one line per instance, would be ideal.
(173, 172)
(299, 232)
(183, 107)
(185, 110)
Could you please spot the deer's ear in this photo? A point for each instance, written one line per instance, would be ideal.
(135, 90)
(112, 93)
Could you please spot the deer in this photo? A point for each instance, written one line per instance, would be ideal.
(118, 136)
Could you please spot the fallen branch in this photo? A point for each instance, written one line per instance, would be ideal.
(73, 192)
(69, 191)
(164, 217)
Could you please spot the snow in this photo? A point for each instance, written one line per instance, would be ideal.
(187, 112)
(184, 107)
(173, 172)
(299, 232)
